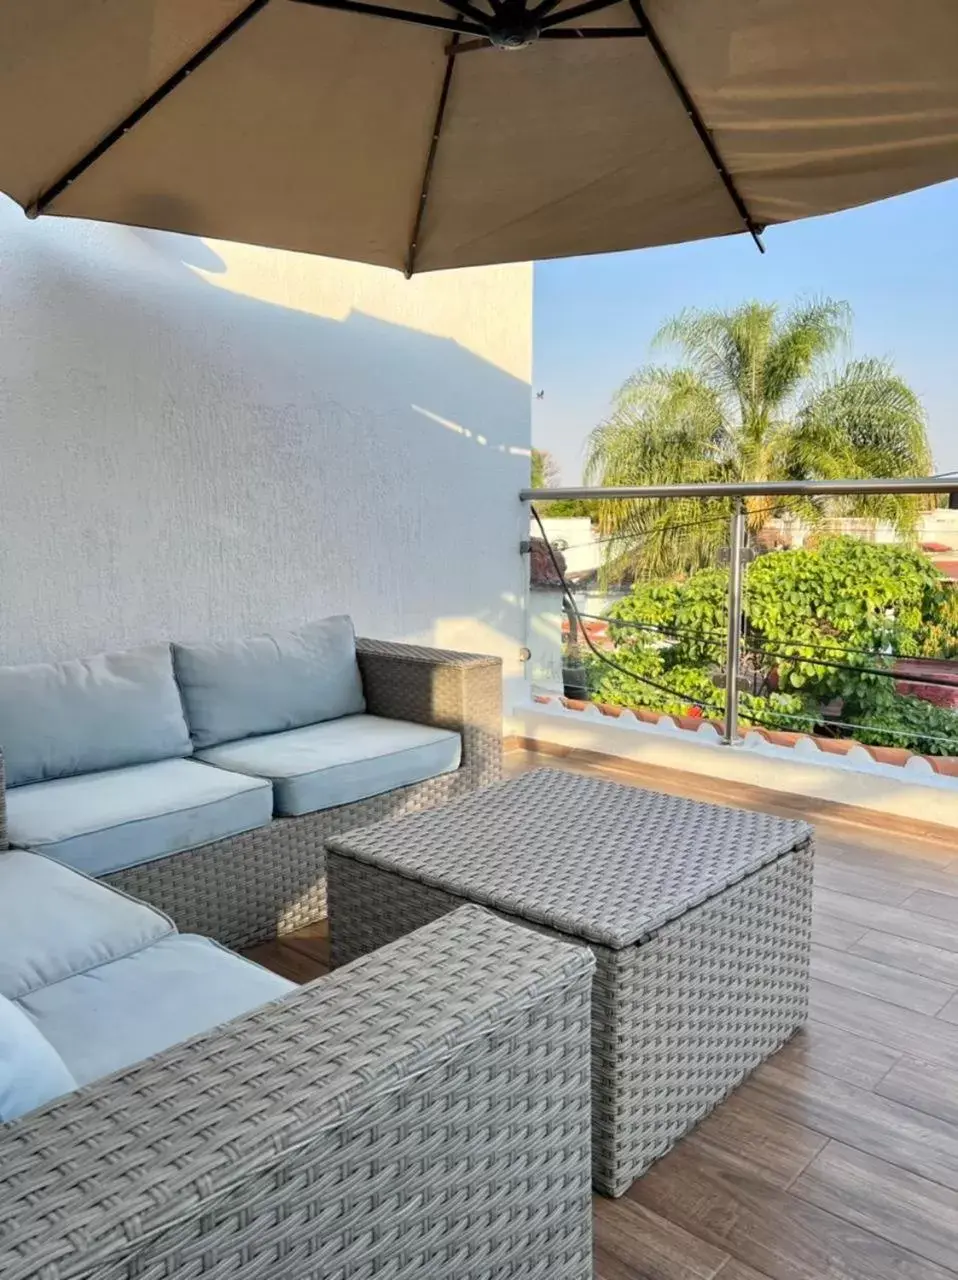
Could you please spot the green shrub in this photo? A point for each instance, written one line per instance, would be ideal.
(819, 623)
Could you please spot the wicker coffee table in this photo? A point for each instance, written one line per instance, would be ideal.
(699, 918)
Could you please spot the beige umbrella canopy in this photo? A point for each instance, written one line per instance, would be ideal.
(423, 134)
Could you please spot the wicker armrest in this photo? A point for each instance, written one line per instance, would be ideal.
(424, 1111)
(461, 691)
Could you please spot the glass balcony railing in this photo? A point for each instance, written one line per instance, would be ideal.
(827, 610)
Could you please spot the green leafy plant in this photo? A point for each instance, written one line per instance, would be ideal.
(819, 624)
(939, 637)
(912, 723)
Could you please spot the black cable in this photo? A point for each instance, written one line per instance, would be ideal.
(844, 724)
(720, 638)
(691, 524)
(688, 524)
(678, 632)
(708, 706)
(671, 693)
(809, 720)
(619, 537)
(903, 677)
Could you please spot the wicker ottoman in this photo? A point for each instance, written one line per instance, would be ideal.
(699, 918)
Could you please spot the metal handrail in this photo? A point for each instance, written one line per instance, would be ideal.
(738, 492)
(751, 489)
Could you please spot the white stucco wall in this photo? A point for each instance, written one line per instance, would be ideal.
(204, 439)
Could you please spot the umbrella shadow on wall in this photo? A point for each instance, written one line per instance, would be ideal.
(187, 251)
(218, 460)
(174, 248)
(364, 361)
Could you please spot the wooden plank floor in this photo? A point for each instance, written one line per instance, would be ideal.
(837, 1160)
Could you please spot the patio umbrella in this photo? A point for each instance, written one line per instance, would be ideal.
(423, 134)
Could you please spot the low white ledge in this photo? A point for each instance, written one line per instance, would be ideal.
(913, 790)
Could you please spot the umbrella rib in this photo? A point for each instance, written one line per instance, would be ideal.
(401, 15)
(467, 10)
(46, 197)
(590, 33)
(544, 7)
(576, 11)
(451, 52)
(754, 228)
(469, 46)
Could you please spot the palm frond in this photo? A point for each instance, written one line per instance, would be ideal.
(666, 428)
(734, 411)
(808, 334)
(865, 422)
(721, 347)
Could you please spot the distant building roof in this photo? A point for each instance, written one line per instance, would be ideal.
(542, 572)
(948, 567)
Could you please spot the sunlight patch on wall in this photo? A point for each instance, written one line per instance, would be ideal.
(514, 451)
(482, 309)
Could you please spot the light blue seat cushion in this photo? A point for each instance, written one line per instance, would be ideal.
(31, 1070)
(55, 922)
(265, 684)
(345, 760)
(105, 821)
(89, 714)
(132, 1008)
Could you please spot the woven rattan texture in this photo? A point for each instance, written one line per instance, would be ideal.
(620, 861)
(678, 1021)
(423, 1113)
(684, 1018)
(271, 881)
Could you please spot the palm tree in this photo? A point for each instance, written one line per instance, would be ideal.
(756, 397)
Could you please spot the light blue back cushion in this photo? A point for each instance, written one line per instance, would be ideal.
(66, 718)
(54, 923)
(31, 1070)
(265, 684)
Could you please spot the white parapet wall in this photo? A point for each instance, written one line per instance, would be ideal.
(913, 790)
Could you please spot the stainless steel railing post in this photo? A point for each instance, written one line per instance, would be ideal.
(733, 650)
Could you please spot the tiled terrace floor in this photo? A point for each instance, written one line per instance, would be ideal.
(838, 1160)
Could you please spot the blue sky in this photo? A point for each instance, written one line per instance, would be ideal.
(895, 262)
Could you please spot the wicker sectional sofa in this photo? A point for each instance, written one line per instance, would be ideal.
(421, 1113)
(270, 880)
